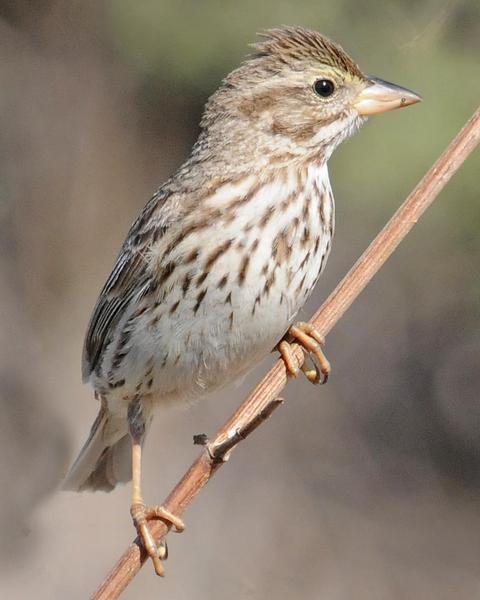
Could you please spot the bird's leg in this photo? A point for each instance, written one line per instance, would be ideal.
(141, 514)
(311, 341)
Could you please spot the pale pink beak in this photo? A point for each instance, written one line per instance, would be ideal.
(381, 96)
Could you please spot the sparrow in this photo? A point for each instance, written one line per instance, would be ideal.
(217, 265)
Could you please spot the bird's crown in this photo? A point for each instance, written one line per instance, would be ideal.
(294, 45)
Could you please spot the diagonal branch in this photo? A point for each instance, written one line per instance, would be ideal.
(264, 398)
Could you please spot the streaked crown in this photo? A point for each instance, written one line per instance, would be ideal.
(294, 46)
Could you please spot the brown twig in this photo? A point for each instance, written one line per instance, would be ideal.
(263, 400)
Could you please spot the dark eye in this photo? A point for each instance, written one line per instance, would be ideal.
(324, 87)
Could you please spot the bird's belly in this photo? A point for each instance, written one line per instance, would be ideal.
(192, 350)
(221, 345)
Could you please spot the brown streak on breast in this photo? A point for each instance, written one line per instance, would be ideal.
(200, 298)
(193, 255)
(243, 269)
(139, 312)
(269, 283)
(322, 211)
(257, 301)
(267, 215)
(174, 307)
(229, 217)
(305, 235)
(186, 283)
(241, 245)
(117, 384)
(154, 322)
(201, 278)
(247, 196)
(304, 261)
(306, 210)
(300, 285)
(194, 227)
(117, 360)
(223, 282)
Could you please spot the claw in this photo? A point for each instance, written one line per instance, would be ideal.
(311, 341)
(141, 515)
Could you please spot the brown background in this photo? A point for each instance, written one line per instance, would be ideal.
(368, 488)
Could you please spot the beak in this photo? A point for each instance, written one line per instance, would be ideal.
(381, 96)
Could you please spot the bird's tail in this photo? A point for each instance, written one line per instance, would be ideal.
(104, 459)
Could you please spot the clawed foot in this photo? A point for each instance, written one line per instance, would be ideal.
(141, 515)
(311, 341)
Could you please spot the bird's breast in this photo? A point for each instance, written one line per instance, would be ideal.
(234, 280)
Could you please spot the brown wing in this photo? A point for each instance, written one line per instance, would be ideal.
(126, 281)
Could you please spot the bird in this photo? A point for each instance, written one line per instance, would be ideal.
(214, 270)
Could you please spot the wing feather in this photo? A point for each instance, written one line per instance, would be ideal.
(128, 277)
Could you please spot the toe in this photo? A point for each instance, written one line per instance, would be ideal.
(157, 565)
(289, 359)
(160, 512)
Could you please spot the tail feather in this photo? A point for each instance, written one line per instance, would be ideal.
(104, 459)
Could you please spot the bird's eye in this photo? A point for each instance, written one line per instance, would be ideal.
(324, 87)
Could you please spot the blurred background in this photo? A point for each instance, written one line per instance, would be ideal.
(368, 488)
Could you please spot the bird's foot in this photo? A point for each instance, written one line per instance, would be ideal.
(141, 515)
(311, 341)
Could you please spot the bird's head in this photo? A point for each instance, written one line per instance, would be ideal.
(302, 93)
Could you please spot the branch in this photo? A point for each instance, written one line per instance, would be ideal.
(264, 398)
